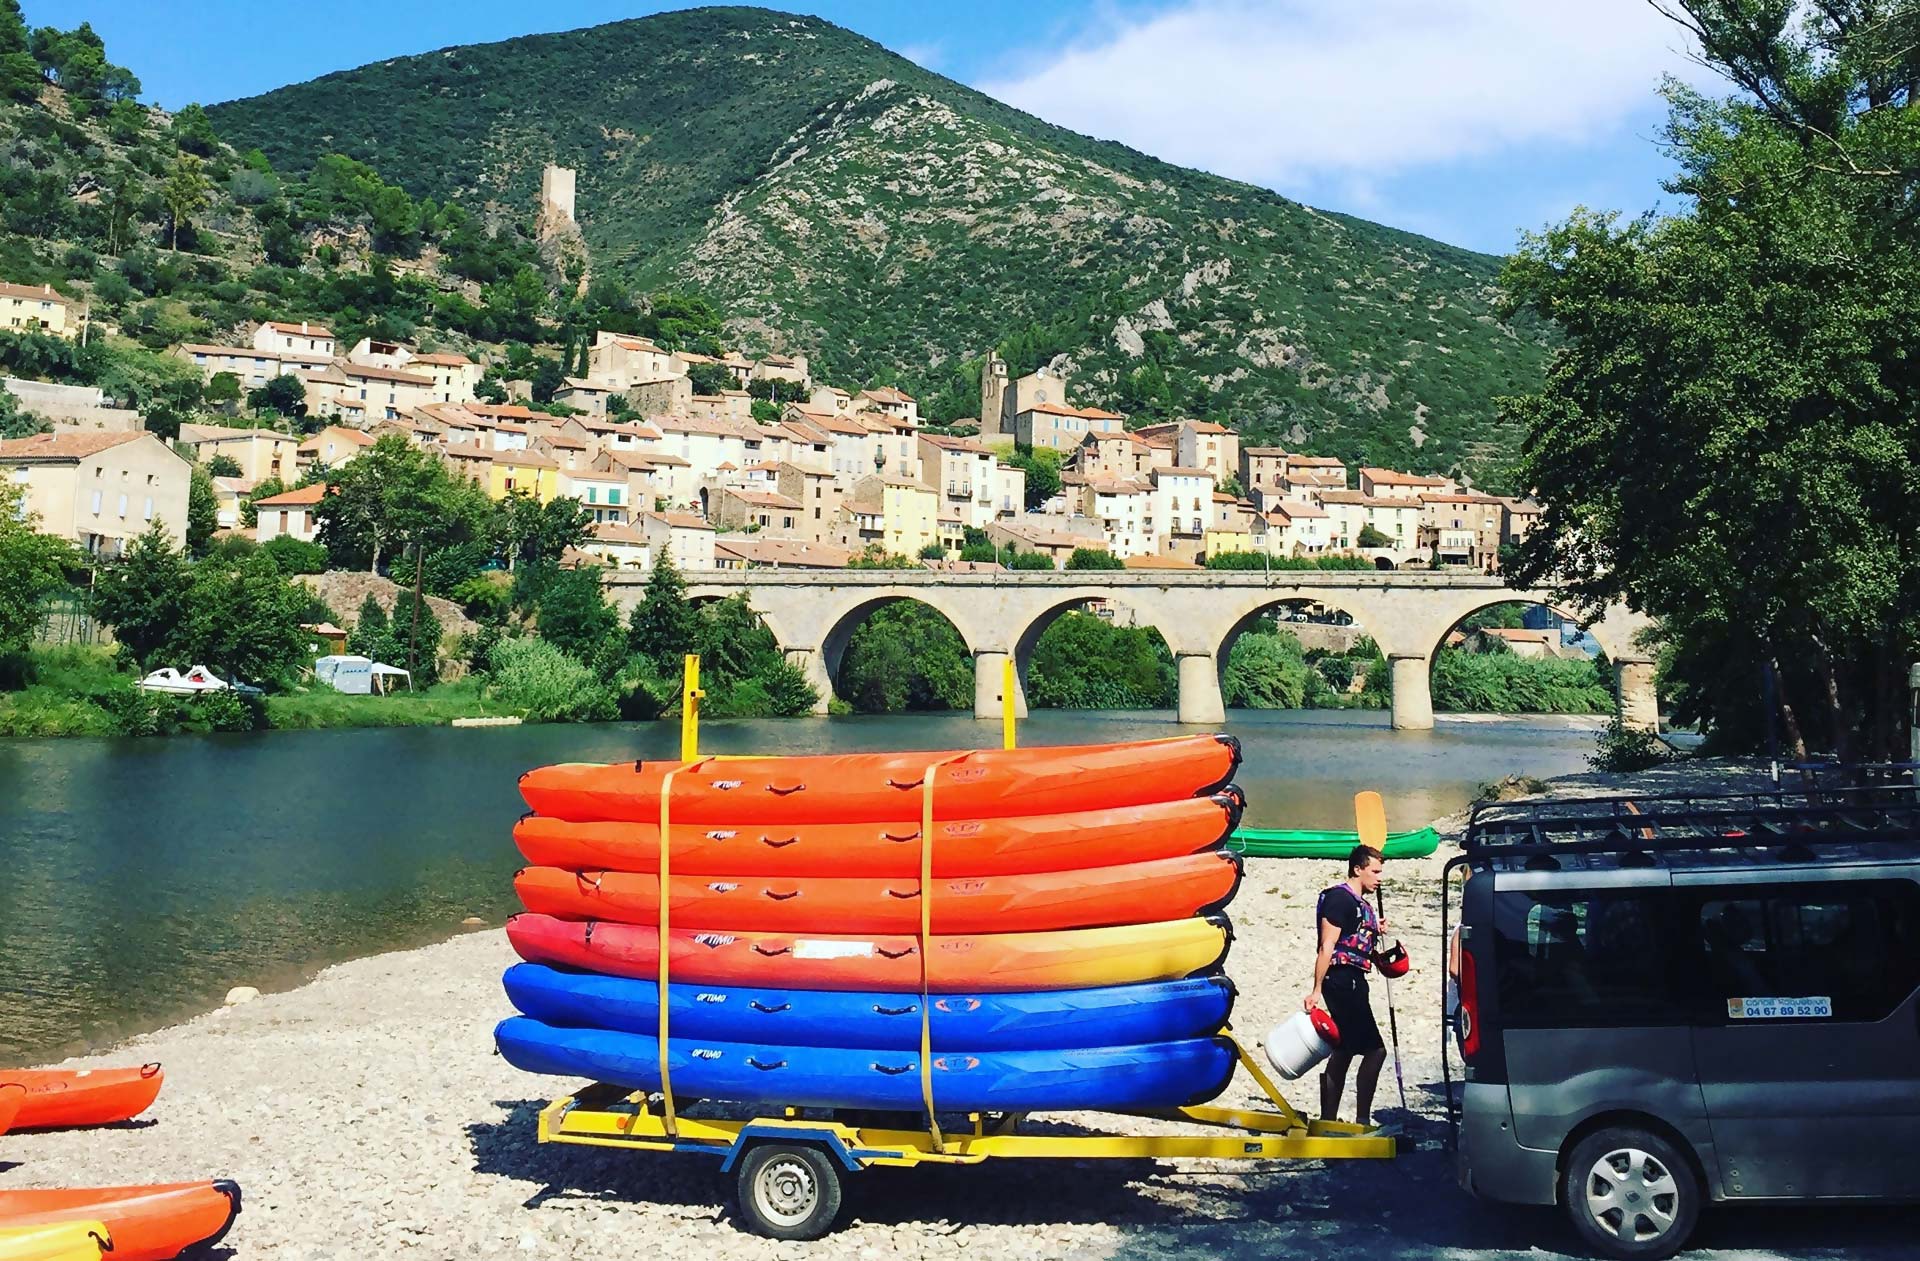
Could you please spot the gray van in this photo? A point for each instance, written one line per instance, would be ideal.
(1666, 1001)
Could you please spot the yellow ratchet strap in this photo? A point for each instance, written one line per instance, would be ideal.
(666, 865)
(926, 944)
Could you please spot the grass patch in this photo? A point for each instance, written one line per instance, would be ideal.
(434, 706)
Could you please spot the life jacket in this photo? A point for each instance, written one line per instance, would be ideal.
(1355, 948)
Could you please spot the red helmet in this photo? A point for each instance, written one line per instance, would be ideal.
(1393, 961)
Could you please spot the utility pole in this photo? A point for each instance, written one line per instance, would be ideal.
(419, 574)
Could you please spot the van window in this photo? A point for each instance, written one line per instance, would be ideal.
(1581, 959)
(1854, 943)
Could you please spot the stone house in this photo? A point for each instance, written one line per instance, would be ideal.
(304, 339)
(99, 489)
(290, 513)
(37, 309)
(260, 453)
(689, 539)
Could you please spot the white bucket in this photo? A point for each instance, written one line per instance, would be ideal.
(1296, 1046)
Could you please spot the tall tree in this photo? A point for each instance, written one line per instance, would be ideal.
(527, 531)
(392, 496)
(664, 626)
(139, 593)
(1727, 438)
(185, 193)
(31, 569)
(203, 511)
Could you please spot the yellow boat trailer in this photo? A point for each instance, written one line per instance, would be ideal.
(789, 1170)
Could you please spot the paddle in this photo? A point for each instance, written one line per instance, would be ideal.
(1370, 820)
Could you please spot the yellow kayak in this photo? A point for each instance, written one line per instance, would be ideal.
(61, 1241)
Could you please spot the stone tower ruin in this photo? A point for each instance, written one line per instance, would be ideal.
(556, 198)
(994, 422)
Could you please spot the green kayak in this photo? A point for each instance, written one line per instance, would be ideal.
(1305, 843)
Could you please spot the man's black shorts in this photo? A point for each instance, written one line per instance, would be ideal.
(1345, 993)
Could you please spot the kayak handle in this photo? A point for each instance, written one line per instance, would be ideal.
(781, 897)
(763, 950)
(910, 893)
(895, 1011)
(784, 790)
(893, 954)
(893, 1070)
(148, 1070)
(766, 1067)
(768, 840)
(905, 784)
(757, 1005)
(591, 880)
(908, 836)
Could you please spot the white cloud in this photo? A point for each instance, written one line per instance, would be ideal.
(1337, 93)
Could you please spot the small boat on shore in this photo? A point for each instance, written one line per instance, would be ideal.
(67, 1098)
(61, 1241)
(151, 1223)
(1309, 843)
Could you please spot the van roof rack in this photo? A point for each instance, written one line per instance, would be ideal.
(1797, 822)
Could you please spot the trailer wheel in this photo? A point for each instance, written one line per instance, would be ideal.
(788, 1191)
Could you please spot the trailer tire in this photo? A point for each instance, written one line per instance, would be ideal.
(788, 1190)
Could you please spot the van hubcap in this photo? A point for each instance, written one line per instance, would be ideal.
(1632, 1195)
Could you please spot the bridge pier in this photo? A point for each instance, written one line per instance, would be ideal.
(812, 663)
(1200, 699)
(1412, 692)
(1634, 694)
(989, 673)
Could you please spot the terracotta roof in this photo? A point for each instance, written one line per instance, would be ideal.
(1207, 426)
(372, 373)
(504, 411)
(1084, 413)
(234, 485)
(789, 553)
(886, 394)
(1392, 477)
(236, 352)
(352, 437)
(1264, 451)
(62, 446)
(1174, 470)
(614, 532)
(1314, 461)
(566, 440)
(1465, 498)
(1295, 510)
(945, 443)
(764, 499)
(308, 330)
(523, 458)
(303, 496)
(444, 360)
(1367, 501)
(192, 433)
(681, 520)
(581, 384)
(1158, 562)
(42, 293)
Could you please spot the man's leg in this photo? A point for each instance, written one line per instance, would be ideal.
(1333, 1082)
(1363, 1084)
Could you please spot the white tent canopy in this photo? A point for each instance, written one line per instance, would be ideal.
(356, 675)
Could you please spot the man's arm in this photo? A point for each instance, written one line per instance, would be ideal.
(1322, 960)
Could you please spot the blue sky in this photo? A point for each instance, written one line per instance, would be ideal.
(1467, 120)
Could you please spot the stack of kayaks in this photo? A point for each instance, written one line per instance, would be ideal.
(142, 1223)
(1307, 843)
(1067, 956)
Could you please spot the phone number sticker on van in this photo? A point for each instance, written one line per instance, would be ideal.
(1779, 1008)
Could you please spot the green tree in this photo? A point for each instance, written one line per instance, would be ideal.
(185, 194)
(372, 633)
(220, 465)
(193, 132)
(1042, 467)
(16, 421)
(1030, 560)
(140, 593)
(1083, 661)
(933, 551)
(224, 387)
(284, 395)
(1371, 537)
(416, 636)
(203, 511)
(904, 657)
(32, 567)
(243, 619)
(1725, 439)
(393, 496)
(296, 556)
(20, 77)
(527, 531)
(663, 626)
(1265, 671)
(709, 378)
(1094, 558)
(573, 613)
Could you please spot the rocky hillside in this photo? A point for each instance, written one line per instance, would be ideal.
(832, 197)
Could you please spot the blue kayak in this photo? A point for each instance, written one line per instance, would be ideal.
(1109, 1078)
(1113, 1015)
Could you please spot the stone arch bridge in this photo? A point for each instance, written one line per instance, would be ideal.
(813, 614)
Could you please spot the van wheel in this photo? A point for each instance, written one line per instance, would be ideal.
(1631, 1194)
(788, 1191)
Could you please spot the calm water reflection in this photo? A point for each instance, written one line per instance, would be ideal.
(139, 879)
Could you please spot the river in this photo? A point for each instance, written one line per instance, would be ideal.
(140, 879)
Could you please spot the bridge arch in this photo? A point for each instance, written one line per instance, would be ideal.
(1038, 620)
(839, 633)
(1254, 612)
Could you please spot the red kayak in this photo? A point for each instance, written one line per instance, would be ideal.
(1093, 897)
(880, 787)
(11, 1097)
(961, 847)
(145, 1223)
(64, 1098)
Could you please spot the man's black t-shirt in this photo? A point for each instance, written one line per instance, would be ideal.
(1342, 908)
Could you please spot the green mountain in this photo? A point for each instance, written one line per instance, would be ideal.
(831, 197)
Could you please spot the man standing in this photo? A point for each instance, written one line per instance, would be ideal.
(1348, 931)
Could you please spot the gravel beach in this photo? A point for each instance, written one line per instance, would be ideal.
(366, 1115)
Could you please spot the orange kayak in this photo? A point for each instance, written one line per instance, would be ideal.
(879, 787)
(1093, 897)
(11, 1097)
(1077, 958)
(961, 847)
(146, 1223)
(61, 1098)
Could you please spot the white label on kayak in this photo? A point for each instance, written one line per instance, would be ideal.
(719, 887)
(721, 836)
(817, 949)
(724, 784)
(706, 1053)
(716, 940)
(1820, 1008)
(709, 998)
